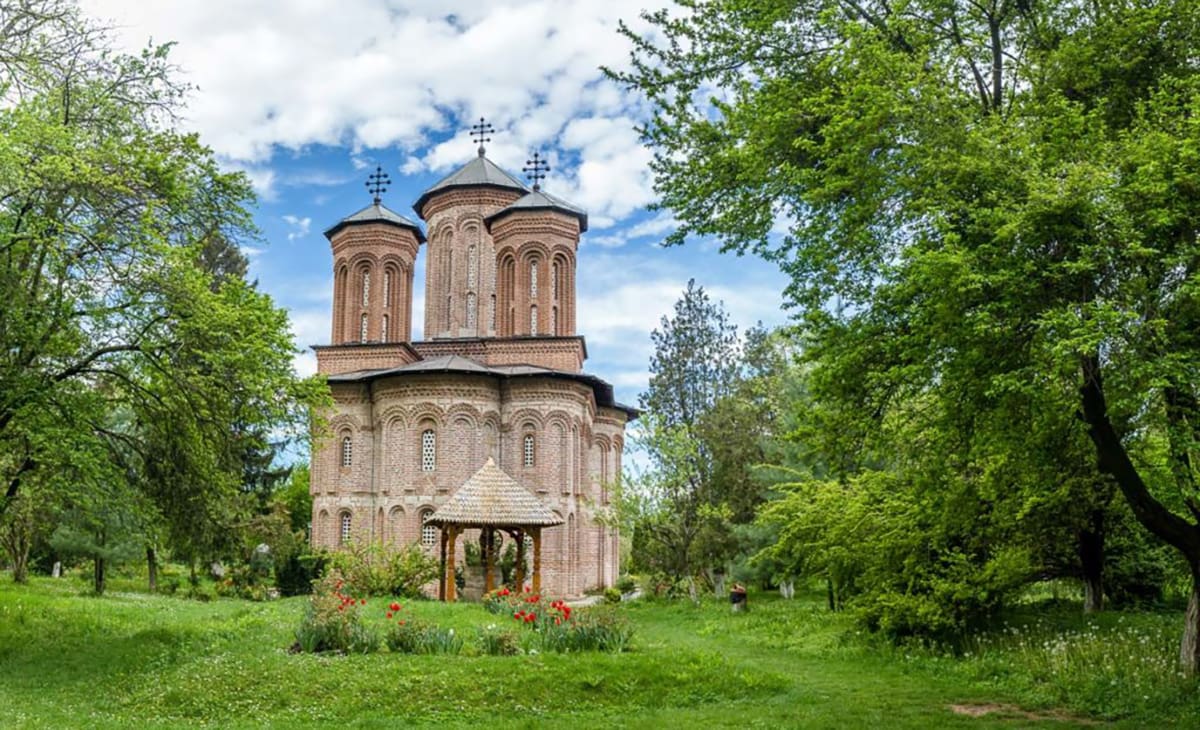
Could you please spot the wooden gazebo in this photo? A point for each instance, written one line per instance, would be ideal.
(492, 501)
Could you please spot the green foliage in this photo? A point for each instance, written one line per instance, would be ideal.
(375, 569)
(495, 641)
(626, 584)
(988, 218)
(333, 622)
(295, 576)
(413, 636)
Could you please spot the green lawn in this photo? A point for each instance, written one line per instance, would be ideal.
(69, 660)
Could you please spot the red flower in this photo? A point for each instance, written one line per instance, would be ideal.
(557, 620)
(395, 606)
(363, 602)
(342, 608)
(389, 614)
(401, 622)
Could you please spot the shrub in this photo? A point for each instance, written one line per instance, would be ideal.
(626, 584)
(373, 569)
(494, 641)
(295, 576)
(419, 637)
(333, 621)
(612, 595)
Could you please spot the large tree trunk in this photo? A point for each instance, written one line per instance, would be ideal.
(1189, 648)
(152, 568)
(1112, 459)
(1091, 558)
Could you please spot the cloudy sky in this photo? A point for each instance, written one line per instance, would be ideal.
(309, 96)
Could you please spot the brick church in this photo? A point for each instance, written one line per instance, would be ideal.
(498, 374)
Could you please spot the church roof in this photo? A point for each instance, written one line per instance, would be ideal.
(492, 497)
(540, 200)
(479, 172)
(601, 389)
(375, 213)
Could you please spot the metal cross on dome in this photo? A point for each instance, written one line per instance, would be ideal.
(536, 169)
(483, 130)
(377, 183)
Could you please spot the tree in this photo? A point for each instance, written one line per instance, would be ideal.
(981, 199)
(122, 295)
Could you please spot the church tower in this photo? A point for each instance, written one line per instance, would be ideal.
(373, 255)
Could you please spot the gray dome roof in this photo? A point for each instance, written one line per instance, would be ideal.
(375, 213)
(541, 200)
(479, 172)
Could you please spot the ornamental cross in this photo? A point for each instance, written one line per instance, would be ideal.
(377, 183)
(483, 130)
(536, 170)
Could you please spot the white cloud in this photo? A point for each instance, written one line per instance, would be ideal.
(299, 226)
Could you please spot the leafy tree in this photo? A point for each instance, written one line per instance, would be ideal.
(122, 294)
(981, 200)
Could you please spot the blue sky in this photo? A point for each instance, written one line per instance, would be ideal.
(307, 97)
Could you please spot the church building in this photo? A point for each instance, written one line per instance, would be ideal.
(498, 374)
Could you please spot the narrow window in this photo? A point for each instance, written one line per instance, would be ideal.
(347, 451)
(554, 320)
(471, 310)
(428, 532)
(554, 281)
(362, 329)
(472, 267)
(428, 450)
(492, 313)
(533, 280)
(528, 450)
(383, 330)
(533, 323)
(366, 289)
(345, 528)
(387, 288)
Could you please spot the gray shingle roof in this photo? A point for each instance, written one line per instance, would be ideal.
(478, 172)
(492, 497)
(375, 213)
(541, 200)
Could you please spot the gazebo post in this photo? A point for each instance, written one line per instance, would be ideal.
(489, 560)
(537, 560)
(448, 576)
(442, 572)
(519, 570)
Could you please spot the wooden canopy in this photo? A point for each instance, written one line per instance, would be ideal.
(492, 500)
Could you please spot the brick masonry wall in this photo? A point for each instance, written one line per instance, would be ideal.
(386, 489)
(556, 353)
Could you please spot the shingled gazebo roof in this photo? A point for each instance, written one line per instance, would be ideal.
(491, 498)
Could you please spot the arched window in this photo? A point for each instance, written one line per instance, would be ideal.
(347, 451)
(471, 310)
(429, 532)
(387, 288)
(533, 279)
(366, 287)
(528, 450)
(554, 281)
(345, 528)
(428, 450)
(472, 267)
(533, 323)
(383, 330)
(362, 329)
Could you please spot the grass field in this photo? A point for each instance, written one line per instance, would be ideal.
(130, 659)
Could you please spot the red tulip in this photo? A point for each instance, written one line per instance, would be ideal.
(389, 614)
(395, 606)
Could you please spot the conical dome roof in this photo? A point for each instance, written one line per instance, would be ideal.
(375, 213)
(492, 497)
(479, 172)
(541, 200)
